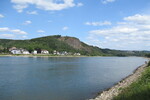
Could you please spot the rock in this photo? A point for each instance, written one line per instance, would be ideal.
(114, 91)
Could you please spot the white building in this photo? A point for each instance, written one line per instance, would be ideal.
(58, 53)
(44, 52)
(25, 52)
(34, 52)
(64, 53)
(19, 51)
(77, 54)
(54, 52)
(16, 51)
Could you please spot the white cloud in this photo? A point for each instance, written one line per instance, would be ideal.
(65, 28)
(27, 22)
(140, 19)
(98, 23)
(32, 12)
(1, 16)
(10, 36)
(4, 29)
(107, 1)
(115, 30)
(132, 33)
(40, 31)
(19, 5)
(12, 33)
(79, 4)
(17, 31)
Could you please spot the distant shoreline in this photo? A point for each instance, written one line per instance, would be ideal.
(48, 55)
(38, 55)
(115, 90)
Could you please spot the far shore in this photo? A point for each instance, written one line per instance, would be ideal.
(38, 55)
(51, 55)
(115, 90)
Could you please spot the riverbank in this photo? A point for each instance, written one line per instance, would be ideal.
(114, 91)
(50, 55)
(38, 55)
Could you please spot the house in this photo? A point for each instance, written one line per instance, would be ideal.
(77, 54)
(44, 52)
(64, 53)
(19, 51)
(25, 52)
(58, 53)
(16, 51)
(34, 52)
(54, 52)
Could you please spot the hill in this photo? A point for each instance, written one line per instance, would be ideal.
(60, 43)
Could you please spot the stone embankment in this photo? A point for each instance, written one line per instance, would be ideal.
(116, 89)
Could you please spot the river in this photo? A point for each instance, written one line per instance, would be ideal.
(61, 78)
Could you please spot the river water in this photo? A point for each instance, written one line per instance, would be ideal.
(61, 78)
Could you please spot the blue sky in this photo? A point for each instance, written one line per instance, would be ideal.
(114, 24)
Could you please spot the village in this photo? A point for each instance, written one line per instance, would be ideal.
(15, 50)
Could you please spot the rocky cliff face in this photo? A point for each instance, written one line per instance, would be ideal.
(78, 45)
(73, 42)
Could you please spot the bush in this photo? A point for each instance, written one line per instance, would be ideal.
(148, 55)
(149, 63)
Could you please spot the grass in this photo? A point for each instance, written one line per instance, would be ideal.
(139, 90)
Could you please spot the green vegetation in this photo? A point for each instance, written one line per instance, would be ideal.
(149, 63)
(148, 55)
(49, 43)
(139, 90)
(59, 43)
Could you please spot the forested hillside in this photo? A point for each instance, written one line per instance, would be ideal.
(59, 43)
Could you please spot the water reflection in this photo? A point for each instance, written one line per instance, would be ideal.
(61, 78)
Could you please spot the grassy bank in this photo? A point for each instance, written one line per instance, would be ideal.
(139, 90)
